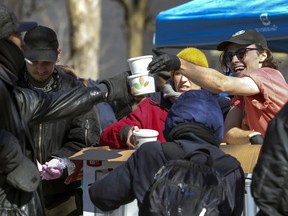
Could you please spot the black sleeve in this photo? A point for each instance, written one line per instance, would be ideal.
(269, 181)
(84, 132)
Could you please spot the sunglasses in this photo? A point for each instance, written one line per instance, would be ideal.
(240, 54)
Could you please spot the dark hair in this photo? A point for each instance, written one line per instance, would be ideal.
(225, 69)
(268, 62)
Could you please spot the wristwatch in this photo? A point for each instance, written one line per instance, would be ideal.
(256, 138)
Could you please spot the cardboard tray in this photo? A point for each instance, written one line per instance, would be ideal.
(103, 153)
(246, 154)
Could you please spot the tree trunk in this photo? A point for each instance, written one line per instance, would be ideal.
(85, 24)
(135, 18)
(135, 31)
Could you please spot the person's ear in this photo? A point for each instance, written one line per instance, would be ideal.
(263, 57)
(59, 51)
(172, 73)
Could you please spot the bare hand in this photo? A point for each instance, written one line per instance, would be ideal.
(131, 141)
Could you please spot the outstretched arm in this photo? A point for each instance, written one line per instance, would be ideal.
(207, 78)
(216, 82)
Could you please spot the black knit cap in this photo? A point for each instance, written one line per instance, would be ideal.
(244, 37)
(9, 23)
(41, 44)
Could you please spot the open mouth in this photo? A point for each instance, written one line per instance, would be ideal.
(238, 69)
(184, 88)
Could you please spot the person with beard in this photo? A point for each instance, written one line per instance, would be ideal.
(57, 139)
(20, 107)
(259, 89)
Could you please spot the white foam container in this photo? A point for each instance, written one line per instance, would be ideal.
(145, 135)
(141, 84)
(138, 65)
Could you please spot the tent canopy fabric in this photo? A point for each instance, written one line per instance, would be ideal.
(206, 23)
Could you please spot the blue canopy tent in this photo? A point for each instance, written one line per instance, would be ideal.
(205, 23)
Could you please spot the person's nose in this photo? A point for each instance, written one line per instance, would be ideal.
(234, 60)
(234, 57)
(39, 69)
(184, 79)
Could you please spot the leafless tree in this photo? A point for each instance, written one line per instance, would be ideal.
(85, 28)
(137, 18)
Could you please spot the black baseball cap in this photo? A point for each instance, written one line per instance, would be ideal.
(9, 23)
(244, 37)
(41, 44)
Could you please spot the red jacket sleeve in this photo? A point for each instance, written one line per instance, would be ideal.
(146, 115)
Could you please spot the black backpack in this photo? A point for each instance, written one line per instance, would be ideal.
(187, 187)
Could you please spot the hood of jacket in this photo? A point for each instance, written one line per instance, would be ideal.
(199, 112)
(12, 58)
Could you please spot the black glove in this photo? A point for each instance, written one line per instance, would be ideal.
(256, 139)
(118, 88)
(164, 62)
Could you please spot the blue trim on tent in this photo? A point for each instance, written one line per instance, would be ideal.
(205, 23)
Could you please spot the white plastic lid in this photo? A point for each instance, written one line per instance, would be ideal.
(146, 133)
(140, 57)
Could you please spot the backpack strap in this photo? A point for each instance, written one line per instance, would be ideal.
(200, 156)
(224, 164)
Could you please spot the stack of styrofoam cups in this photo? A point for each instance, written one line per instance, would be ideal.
(140, 81)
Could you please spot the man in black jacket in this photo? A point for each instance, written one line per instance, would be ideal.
(59, 139)
(195, 121)
(22, 106)
(269, 181)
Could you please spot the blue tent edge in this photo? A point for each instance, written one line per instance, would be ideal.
(184, 26)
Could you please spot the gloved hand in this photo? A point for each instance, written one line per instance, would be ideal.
(164, 62)
(256, 138)
(118, 88)
(98, 95)
(52, 169)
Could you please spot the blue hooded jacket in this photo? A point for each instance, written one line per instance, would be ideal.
(196, 106)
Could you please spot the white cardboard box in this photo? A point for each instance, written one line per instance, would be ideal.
(96, 162)
(250, 207)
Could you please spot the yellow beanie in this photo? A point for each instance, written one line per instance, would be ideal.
(194, 56)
